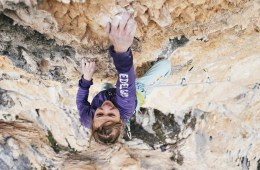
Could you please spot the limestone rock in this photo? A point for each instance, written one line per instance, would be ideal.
(197, 2)
(205, 114)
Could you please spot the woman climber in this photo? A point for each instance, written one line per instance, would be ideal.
(112, 108)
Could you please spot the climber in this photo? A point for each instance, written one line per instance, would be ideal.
(112, 108)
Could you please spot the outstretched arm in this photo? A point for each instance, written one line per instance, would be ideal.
(121, 33)
(88, 69)
(125, 86)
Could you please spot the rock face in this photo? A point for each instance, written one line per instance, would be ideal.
(206, 116)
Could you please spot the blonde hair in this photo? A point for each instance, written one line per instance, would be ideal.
(107, 133)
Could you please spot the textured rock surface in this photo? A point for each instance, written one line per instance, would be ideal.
(206, 116)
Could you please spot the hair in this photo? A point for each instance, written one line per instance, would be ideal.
(107, 133)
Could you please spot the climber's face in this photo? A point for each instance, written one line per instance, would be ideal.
(106, 112)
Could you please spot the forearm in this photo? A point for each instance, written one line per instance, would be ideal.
(82, 94)
(126, 90)
(123, 61)
(126, 94)
(82, 102)
(126, 75)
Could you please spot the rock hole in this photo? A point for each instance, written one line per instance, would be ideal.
(210, 138)
(172, 45)
(53, 142)
(6, 101)
(177, 157)
(245, 163)
(37, 111)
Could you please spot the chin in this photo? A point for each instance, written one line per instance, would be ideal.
(108, 102)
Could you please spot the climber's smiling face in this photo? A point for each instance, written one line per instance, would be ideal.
(106, 112)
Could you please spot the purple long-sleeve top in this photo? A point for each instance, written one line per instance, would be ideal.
(123, 96)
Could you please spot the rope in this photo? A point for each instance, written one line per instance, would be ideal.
(209, 82)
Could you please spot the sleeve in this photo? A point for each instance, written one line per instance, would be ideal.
(82, 102)
(125, 86)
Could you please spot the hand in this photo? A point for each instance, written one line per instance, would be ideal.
(88, 69)
(121, 32)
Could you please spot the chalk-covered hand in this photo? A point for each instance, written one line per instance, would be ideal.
(88, 69)
(121, 32)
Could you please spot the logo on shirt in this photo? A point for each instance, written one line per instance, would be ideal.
(123, 86)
